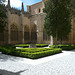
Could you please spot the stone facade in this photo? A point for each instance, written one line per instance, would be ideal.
(37, 9)
(27, 27)
(23, 27)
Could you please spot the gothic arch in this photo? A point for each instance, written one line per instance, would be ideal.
(14, 32)
(13, 27)
(33, 28)
(33, 32)
(26, 33)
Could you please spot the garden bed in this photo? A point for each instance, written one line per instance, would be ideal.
(32, 53)
(64, 47)
(27, 45)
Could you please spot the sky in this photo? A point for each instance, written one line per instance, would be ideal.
(17, 3)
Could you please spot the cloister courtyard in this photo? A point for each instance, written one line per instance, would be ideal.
(59, 64)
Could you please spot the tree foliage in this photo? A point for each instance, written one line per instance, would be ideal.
(57, 20)
(72, 6)
(2, 16)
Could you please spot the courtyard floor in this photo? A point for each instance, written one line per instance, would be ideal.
(59, 64)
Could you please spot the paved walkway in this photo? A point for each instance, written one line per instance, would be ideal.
(59, 64)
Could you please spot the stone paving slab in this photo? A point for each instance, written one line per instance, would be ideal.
(60, 64)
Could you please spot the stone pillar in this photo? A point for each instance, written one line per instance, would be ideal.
(51, 40)
(37, 29)
(43, 5)
(22, 7)
(23, 34)
(8, 4)
(22, 16)
(9, 34)
(9, 27)
(22, 28)
(40, 28)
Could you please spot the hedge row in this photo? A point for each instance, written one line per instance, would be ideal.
(27, 45)
(33, 50)
(35, 55)
(64, 47)
(7, 50)
(32, 53)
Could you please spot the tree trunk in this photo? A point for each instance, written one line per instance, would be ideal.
(61, 41)
(56, 40)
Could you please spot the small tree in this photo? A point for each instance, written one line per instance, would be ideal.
(57, 20)
(2, 16)
(72, 6)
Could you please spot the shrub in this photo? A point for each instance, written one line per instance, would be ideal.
(64, 47)
(37, 54)
(22, 45)
(32, 53)
(7, 49)
(41, 45)
(27, 45)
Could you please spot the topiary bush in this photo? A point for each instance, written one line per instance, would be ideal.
(32, 53)
(27, 45)
(35, 53)
(64, 47)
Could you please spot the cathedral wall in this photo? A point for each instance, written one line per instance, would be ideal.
(14, 19)
(19, 22)
(39, 21)
(35, 8)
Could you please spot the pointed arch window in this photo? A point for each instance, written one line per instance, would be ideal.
(14, 32)
(33, 33)
(26, 33)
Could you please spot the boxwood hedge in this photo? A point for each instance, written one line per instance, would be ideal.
(35, 55)
(64, 47)
(27, 45)
(32, 53)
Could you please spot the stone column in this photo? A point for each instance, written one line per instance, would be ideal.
(22, 28)
(23, 34)
(37, 29)
(9, 27)
(22, 16)
(51, 40)
(9, 34)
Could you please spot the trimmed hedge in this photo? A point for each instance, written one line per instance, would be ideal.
(7, 49)
(64, 47)
(22, 45)
(32, 50)
(32, 53)
(35, 53)
(27, 45)
(41, 45)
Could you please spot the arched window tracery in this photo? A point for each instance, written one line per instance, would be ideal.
(33, 33)
(26, 33)
(14, 32)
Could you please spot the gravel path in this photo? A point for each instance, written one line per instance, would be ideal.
(60, 64)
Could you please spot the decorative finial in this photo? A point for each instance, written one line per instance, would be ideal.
(8, 3)
(22, 7)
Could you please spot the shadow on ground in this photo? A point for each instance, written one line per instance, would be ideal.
(4, 58)
(5, 72)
